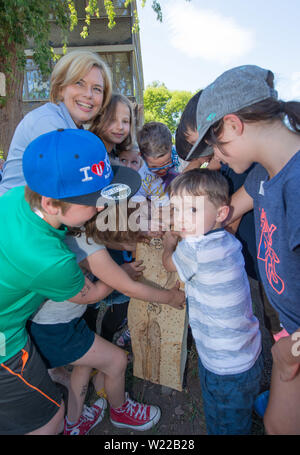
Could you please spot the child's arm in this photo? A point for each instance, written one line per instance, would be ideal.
(233, 227)
(91, 292)
(169, 242)
(286, 356)
(241, 203)
(105, 268)
(102, 289)
(122, 246)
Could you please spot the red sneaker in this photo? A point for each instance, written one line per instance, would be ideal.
(136, 416)
(89, 418)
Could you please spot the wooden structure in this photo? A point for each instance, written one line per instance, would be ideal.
(158, 332)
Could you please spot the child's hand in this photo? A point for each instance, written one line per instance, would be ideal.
(177, 297)
(287, 364)
(170, 240)
(154, 234)
(134, 269)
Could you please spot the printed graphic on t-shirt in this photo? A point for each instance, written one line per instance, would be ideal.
(153, 186)
(267, 254)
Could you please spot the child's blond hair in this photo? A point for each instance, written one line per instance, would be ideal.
(106, 237)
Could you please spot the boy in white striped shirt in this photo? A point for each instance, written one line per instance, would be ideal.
(209, 261)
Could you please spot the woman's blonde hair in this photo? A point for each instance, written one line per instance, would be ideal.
(72, 67)
(107, 115)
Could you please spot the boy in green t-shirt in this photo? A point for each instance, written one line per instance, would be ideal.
(69, 180)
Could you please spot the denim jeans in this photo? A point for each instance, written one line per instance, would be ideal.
(228, 399)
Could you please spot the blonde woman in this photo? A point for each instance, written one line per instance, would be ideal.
(80, 88)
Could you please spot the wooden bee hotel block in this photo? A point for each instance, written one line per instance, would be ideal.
(158, 332)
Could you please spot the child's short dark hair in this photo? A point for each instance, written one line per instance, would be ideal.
(187, 121)
(202, 182)
(154, 140)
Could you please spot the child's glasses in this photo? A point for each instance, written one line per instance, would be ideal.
(161, 168)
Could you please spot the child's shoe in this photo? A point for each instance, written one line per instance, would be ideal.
(124, 339)
(89, 418)
(261, 403)
(137, 416)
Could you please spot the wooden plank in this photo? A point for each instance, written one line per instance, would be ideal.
(158, 332)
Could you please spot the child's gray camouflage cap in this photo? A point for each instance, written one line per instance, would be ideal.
(234, 90)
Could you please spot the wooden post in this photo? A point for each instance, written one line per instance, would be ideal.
(158, 332)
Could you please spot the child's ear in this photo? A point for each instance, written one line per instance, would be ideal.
(233, 124)
(48, 207)
(223, 213)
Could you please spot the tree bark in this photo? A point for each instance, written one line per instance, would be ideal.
(11, 109)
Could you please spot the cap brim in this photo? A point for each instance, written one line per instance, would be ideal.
(124, 178)
(200, 148)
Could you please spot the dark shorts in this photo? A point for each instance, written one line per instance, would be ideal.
(61, 344)
(29, 399)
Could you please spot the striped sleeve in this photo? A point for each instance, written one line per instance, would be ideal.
(184, 261)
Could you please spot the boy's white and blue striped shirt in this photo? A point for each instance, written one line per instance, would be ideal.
(225, 331)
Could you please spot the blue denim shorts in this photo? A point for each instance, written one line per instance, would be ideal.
(61, 344)
(228, 399)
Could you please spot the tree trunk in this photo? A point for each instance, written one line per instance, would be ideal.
(11, 110)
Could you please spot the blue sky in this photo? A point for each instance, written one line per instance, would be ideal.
(198, 40)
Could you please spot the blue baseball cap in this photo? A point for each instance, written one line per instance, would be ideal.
(73, 165)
